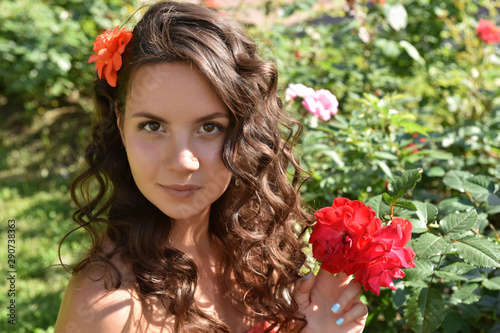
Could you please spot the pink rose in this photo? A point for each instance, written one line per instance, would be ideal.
(297, 90)
(322, 104)
(488, 31)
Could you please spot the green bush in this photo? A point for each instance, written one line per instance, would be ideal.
(416, 93)
(44, 48)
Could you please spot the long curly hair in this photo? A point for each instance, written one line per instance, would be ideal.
(255, 221)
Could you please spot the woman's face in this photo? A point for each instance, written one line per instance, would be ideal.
(173, 130)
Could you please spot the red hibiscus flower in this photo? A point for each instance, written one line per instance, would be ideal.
(109, 47)
(488, 31)
(349, 238)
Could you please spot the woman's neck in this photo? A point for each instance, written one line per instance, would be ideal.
(191, 236)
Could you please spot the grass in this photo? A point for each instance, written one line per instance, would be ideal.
(39, 161)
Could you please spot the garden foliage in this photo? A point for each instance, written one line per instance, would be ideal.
(416, 135)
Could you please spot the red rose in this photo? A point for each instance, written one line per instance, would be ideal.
(391, 239)
(342, 233)
(488, 31)
(349, 238)
(378, 273)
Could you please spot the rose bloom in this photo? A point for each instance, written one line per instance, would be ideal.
(378, 273)
(391, 240)
(322, 104)
(297, 90)
(487, 31)
(349, 238)
(342, 234)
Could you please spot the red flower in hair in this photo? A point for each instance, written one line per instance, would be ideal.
(109, 47)
(488, 31)
(212, 4)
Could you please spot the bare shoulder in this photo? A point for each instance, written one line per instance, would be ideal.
(90, 306)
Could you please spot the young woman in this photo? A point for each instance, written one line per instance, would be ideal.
(196, 191)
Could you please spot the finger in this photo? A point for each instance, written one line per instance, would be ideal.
(351, 292)
(303, 289)
(331, 285)
(354, 316)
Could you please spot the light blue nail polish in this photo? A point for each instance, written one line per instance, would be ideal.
(340, 321)
(335, 308)
(307, 276)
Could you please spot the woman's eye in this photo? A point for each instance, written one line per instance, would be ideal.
(151, 126)
(210, 128)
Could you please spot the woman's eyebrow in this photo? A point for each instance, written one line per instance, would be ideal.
(160, 119)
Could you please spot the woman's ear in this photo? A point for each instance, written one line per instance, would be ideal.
(119, 124)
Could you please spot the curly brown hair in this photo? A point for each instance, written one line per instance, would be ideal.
(255, 220)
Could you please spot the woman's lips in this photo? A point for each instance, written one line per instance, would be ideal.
(180, 191)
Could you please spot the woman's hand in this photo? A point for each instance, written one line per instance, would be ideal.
(331, 303)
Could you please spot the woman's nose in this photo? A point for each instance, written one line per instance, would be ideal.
(180, 156)
(188, 161)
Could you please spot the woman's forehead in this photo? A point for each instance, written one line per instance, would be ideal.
(177, 87)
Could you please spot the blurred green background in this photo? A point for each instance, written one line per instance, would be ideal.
(417, 89)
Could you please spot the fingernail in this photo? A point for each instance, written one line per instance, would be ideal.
(335, 308)
(307, 276)
(340, 321)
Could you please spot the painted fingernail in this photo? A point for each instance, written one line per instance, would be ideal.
(307, 276)
(335, 308)
(340, 321)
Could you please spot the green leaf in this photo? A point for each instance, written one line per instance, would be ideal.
(479, 187)
(385, 155)
(458, 268)
(413, 127)
(388, 199)
(425, 310)
(493, 283)
(453, 322)
(455, 179)
(424, 269)
(378, 205)
(465, 294)
(456, 223)
(418, 226)
(405, 204)
(478, 251)
(384, 167)
(455, 204)
(436, 171)
(429, 245)
(412, 51)
(404, 182)
(450, 276)
(493, 200)
(426, 212)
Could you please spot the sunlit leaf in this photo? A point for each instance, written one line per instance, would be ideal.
(456, 223)
(427, 212)
(428, 245)
(424, 310)
(479, 251)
